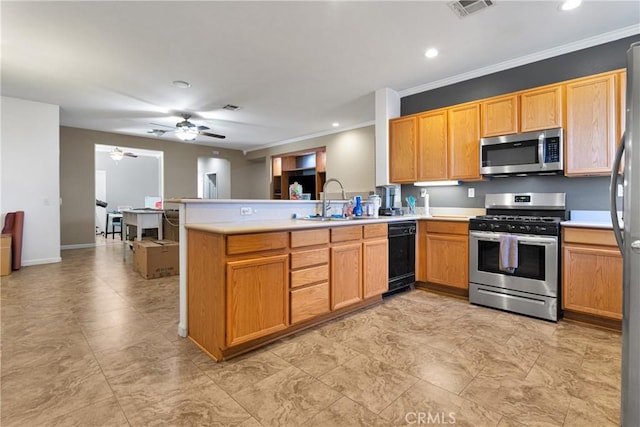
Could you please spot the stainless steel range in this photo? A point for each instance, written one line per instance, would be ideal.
(514, 253)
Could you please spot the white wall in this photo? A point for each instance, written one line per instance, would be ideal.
(30, 175)
(130, 179)
(222, 169)
(350, 158)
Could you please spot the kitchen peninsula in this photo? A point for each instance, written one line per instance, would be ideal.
(254, 274)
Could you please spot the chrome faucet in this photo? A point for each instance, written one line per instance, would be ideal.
(325, 208)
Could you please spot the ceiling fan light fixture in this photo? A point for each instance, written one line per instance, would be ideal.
(116, 154)
(187, 133)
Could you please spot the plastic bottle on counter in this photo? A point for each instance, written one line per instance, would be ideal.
(357, 209)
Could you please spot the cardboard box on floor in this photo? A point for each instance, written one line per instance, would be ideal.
(156, 258)
(5, 255)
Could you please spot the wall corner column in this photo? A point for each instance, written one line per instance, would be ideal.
(387, 106)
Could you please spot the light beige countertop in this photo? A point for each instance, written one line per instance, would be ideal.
(458, 218)
(259, 226)
(590, 219)
(587, 224)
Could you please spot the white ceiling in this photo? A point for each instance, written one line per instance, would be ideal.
(292, 67)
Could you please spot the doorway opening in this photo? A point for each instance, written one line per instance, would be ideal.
(214, 178)
(129, 181)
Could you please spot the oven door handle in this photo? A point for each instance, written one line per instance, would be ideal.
(495, 237)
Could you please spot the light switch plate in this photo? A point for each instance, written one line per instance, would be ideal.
(471, 192)
(246, 211)
(423, 192)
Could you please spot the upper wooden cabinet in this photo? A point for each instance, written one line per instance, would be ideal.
(541, 108)
(591, 125)
(432, 146)
(464, 142)
(500, 116)
(402, 150)
(525, 111)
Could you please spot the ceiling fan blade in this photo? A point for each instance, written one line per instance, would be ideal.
(213, 135)
(164, 126)
(129, 155)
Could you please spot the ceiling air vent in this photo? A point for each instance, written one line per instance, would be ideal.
(464, 8)
(231, 107)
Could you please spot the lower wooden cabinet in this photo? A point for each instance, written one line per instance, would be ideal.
(346, 275)
(248, 289)
(443, 253)
(309, 302)
(375, 255)
(257, 298)
(591, 273)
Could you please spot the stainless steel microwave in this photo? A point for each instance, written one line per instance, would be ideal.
(535, 153)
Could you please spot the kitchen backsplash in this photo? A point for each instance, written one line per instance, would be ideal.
(590, 193)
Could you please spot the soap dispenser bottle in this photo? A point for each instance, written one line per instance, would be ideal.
(357, 209)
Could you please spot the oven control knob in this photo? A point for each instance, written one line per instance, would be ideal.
(493, 226)
(510, 227)
(482, 226)
(527, 227)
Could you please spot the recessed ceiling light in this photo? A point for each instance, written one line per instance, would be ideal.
(181, 84)
(431, 53)
(570, 4)
(335, 124)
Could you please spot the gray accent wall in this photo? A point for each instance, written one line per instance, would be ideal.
(590, 193)
(597, 59)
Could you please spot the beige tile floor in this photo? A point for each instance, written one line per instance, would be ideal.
(89, 342)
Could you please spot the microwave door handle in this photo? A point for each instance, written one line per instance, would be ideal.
(541, 156)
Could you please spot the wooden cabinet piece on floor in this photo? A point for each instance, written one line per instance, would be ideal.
(257, 298)
(591, 273)
(541, 108)
(464, 142)
(432, 146)
(346, 275)
(590, 137)
(443, 253)
(500, 116)
(402, 150)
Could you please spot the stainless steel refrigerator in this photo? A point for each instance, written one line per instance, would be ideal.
(628, 238)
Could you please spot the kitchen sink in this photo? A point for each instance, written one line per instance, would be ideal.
(325, 218)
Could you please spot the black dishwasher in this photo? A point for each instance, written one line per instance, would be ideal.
(402, 255)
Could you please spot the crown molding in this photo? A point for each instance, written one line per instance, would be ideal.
(528, 59)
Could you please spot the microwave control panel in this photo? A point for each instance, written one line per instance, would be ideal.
(552, 150)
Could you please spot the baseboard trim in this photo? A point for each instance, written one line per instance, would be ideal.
(40, 261)
(81, 246)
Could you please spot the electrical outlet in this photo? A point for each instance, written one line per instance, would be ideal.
(246, 211)
(423, 192)
(620, 190)
(471, 192)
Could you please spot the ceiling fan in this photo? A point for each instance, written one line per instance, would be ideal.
(185, 130)
(117, 154)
